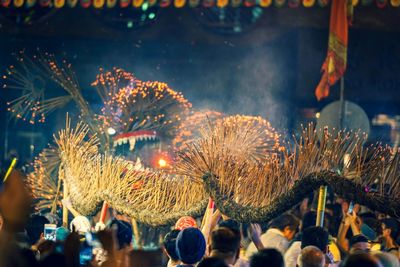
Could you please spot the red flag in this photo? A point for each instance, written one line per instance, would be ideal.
(335, 63)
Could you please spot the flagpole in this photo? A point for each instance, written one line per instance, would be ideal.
(342, 104)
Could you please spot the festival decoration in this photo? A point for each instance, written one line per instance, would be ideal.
(251, 192)
(134, 108)
(244, 168)
(334, 65)
(192, 3)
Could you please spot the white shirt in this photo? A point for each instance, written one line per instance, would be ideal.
(273, 238)
(292, 254)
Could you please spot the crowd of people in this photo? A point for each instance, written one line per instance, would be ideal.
(351, 235)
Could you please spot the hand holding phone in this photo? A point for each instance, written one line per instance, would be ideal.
(50, 232)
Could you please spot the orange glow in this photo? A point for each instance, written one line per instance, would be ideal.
(162, 163)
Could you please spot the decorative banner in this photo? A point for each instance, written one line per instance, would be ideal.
(45, 3)
(308, 3)
(126, 3)
(294, 3)
(5, 3)
(152, 2)
(323, 3)
(18, 3)
(222, 3)
(208, 3)
(59, 3)
(194, 3)
(111, 3)
(249, 3)
(30, 3)
(236, 3)
(179, 3)
(395, 3)
(381, 3)
(335, 64)
(280, 3)
(85, 3)
(165, 3)
(98, 3)
(72, 3)
(265, 3)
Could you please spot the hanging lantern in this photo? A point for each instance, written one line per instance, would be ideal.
(280, 3)
(179, 3)
(98, 3)
(85, 3)
(72, 3)
(381, 3)
(355, 2)
(265, 3)
(249, 3)
(126, 3)
(308, 3)
(194, 3)
(294, 3)
(395, 3)
(165, 3)
(323, 3)
(45, 3)
(30, 3)
(236, 3)
(5, 3)
(111, 3)
(18, 3)
(59, 3)
(208, 3)
(222, 3)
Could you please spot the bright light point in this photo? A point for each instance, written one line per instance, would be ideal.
(129, 24)
(145, 6)
(111, 131)
(317, 115)
(162, 163)
(152, 16)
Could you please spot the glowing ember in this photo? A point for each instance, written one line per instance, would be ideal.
(162, 163)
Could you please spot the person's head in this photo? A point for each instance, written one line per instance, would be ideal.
(390, 228)
(170, 245)
(124, 233)
(15, 202)
(386, 259)
(190, 245)
(361, 259)
(311, 256)
(287, 224)
(185, 222)
(308, 220)
(315, 236)
(225, 244)
(231, 224)
(35, 227)
(212, 262)
(359, 243)
(267, 257)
